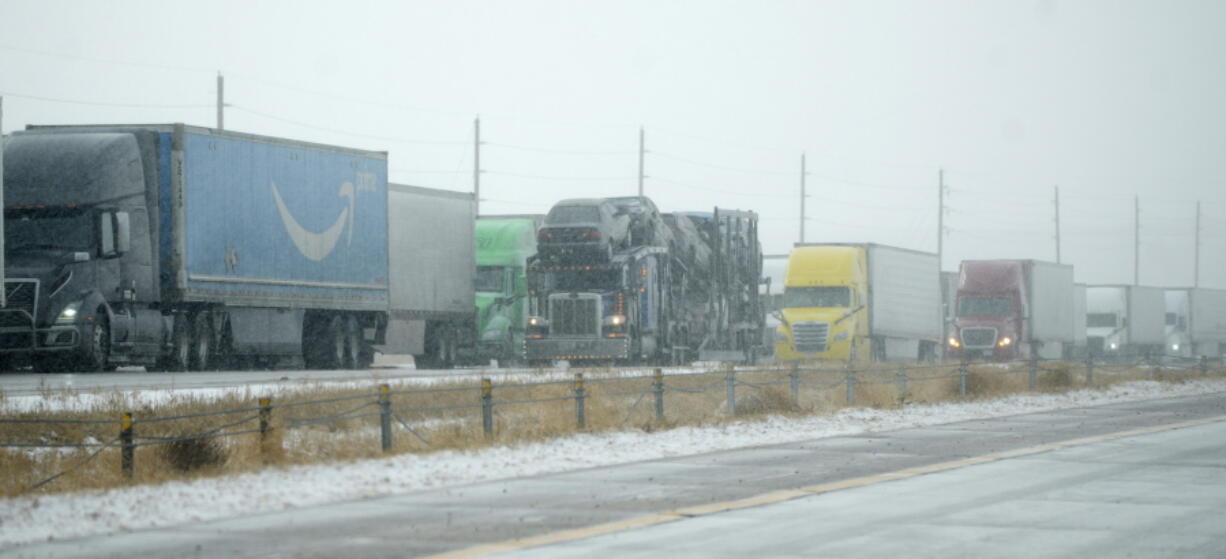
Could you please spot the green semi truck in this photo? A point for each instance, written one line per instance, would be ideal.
(504, 245)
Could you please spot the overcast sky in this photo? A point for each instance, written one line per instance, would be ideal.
(1107, 99)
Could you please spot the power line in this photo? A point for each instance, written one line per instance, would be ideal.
(102, 103)
(717, 190)
(171, 67)
(559, 151)
(345, 133)
(543, 177)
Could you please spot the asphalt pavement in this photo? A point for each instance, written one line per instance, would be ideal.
(1018, 497)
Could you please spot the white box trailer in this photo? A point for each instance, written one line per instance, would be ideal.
(1079, 322)
(1206, 322)
(431, 263)
(905, 305)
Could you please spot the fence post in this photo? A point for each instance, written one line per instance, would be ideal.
(902, 382)
(730, 381)
(127, 453)
(580, 416)
(1089, 370)
(385, 416)
(487, 407)
(265, 424)
(1034, 371)
(658, 386)
(851, 385)
(962, 374)
(794, 376)
(1204, 365)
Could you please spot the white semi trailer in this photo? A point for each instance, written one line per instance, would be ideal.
(1125, 321)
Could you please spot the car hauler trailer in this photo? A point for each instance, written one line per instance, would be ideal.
(856, 302)
(180, 247)
(648, 304)
(1013, 309)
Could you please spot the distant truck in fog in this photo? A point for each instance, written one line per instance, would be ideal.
(1013, 309)
(1125, 321)
(859, 302)
(1195, 322)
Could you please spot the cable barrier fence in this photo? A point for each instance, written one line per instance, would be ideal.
(466, 413)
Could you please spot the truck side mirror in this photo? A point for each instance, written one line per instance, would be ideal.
(123, 233)
(106, 235)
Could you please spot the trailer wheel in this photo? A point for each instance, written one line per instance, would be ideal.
(353, 344)
(335, 340)
(202, 342)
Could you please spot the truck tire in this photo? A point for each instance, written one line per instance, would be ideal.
(335, 340)
(202, 342)
(97, 353)
(180, 346)
(353, 344)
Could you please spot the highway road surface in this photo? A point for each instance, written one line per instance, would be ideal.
(1143, 479)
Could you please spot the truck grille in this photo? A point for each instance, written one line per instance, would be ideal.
(573, 317)
(978, 337)
(21, 296)
(811, 337)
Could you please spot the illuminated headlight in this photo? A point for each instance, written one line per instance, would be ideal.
(69, 314)
(1114, 346)
(1174, 347)
(615, 320)
(1004, 342)
(537, 321)
(953, 342)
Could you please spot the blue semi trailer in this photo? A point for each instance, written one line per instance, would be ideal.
(186, 248)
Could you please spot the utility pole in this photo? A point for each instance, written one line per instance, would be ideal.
(642, 150)
(1136, 241)
(1057, 224)
(477, 166)
(940, 219)
(2, 291)
(1196, 259)
(802, 197)
(221, 102)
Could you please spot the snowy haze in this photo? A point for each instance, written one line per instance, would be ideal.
(1107, 99)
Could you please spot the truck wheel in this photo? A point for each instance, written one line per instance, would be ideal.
(353, 344)
(180, 346)
(335, 338)
(98, 348)
(202, 343)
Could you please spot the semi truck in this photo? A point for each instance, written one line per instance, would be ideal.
(1195, 322)
(178, 247)
(646, 303)
(504, 246)
(1125, 321)
(860, 302)
(1013, 309)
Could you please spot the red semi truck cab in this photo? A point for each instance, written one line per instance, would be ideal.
(989, 311)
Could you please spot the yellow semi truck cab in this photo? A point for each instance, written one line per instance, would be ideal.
(825, 305)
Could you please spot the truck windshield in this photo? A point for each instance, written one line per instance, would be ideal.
(802, 297)
(48, 228)
(586, 280)
(1100, 320)
(489, 279)
(573, 214)
(985, 306)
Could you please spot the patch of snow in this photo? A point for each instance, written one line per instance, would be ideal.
(32, 519)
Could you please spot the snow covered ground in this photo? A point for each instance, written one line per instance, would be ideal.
(33, 519)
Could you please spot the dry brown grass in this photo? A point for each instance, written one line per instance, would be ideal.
(448, 417)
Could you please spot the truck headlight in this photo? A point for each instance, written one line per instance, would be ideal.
(69, 314)
(538, 326)
(1174, 347)
(1004, 342)
(614, 326)
(1114, 346)
(615, 320)
(953, 342)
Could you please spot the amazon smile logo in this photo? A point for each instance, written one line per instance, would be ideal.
(318, 245)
